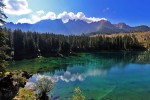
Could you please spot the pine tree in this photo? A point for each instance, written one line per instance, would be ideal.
(3, 46)
(2, 14)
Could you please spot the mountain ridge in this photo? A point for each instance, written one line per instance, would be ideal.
(76, 27)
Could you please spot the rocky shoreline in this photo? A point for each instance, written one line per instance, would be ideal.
(11, 82)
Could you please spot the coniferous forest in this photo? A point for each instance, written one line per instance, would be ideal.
(99, 61)
(27, 45)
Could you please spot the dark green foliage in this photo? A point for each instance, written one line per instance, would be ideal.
(31, 44)
(3, 46)
(2, 14)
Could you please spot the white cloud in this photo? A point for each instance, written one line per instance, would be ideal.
(50, 15)
(17, 7)
(79, 16)
(34, 19)
(64, 16)
(40, 12)
(24, 20)
(93, 19)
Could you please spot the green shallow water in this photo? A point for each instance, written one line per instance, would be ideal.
(101, 76)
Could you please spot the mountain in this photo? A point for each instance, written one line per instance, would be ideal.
(76, 27)
(122, 26)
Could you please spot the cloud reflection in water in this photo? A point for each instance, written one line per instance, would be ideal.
(68, 76)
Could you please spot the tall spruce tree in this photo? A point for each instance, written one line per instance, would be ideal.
(3, 46)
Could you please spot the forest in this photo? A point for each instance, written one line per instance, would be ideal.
(40, 66)
(28, 45)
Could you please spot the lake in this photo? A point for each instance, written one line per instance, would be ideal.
(100, 76)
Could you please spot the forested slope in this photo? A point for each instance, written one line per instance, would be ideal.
(25, 45)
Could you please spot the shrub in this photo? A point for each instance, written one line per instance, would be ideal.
(43, 86)
(78, 95)
(25, 94)
(18, 78)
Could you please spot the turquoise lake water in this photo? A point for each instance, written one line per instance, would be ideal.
(100, 76)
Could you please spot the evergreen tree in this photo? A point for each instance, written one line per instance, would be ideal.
(2, 14)
(29, 45)
(3, 46)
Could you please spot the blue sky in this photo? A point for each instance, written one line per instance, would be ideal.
(132, 12)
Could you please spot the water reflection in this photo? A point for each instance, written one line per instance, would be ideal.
(99, 75)
(68, 76)
(105, 58)
(89, 65)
